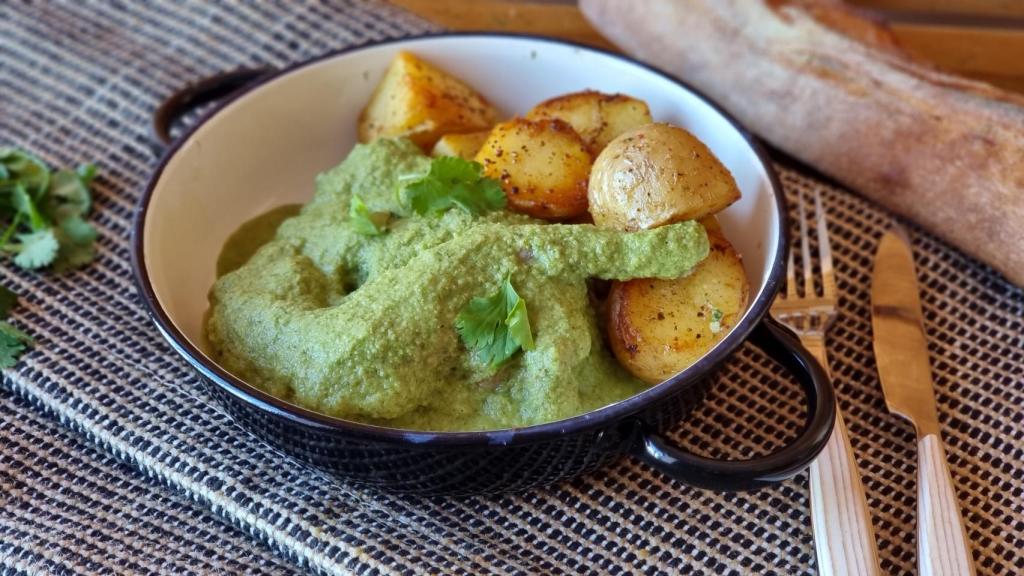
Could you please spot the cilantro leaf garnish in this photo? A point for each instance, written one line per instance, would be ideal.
(23, 168)
(42, 218)
(8, 300)
(453, 181)
(518, 322)
(495, 327)
(12, 344)
(86, 172)
(77, 240)
(26, 206)
(12, 341)
(69, 194)
(45, 212)
(37, 249)
(365, 222)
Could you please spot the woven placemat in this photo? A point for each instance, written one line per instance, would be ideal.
(65, 499)
(110, 449)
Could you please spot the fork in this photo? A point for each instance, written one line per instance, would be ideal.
(844, 539)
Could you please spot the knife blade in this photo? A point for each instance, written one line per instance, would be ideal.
(901, 353)
(901, 348)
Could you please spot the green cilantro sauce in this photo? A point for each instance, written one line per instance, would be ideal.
(362, 327)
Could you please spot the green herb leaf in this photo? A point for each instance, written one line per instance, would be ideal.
(37, 249)
(8, 301)
(10, 230)
(77, 244)
(45, 212)
(86, 172)
(23, 168)
(716, 320)
(12, 344)
(495, 327)
(26, 206)
(518, 322)
(453, 181)
(365, 222)
(68, 195)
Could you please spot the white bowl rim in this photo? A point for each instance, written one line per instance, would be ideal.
(600, 417)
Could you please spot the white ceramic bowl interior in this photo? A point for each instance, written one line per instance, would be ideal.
(265, 148)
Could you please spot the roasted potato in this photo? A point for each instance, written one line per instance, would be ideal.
(597, 117)
(654, 175)
(542, 165)
(421, 102)
(714, 231)
(462, 145)
(656, 328)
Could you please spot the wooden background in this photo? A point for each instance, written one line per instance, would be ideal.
(983, 39)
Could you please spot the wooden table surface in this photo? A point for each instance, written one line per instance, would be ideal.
(983, 39)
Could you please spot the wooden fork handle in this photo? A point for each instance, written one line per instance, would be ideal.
(844, 539)
(942, 548)
(843, 536)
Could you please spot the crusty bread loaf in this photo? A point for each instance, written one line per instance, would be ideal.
(833, 90)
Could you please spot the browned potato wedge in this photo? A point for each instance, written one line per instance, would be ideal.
(542, 165)
(654, 175)
(621, 114)
(421, 102)
(657, 328)
(713, 229)
(597, 117)
(462, 145)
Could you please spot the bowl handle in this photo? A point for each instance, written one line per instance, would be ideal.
(782, 345)
(198, 93)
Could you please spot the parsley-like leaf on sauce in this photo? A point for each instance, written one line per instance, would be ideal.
(365, 222)
(451, 182)
(43, 213)
(12, 341)
(495, 327)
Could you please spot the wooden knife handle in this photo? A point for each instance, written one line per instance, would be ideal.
(942, 548)
(843, 536)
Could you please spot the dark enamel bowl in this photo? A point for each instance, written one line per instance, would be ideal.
(262, 148)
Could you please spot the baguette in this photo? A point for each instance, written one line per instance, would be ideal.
(834, 90)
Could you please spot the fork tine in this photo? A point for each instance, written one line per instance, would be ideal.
(828, 278)
(805, 249)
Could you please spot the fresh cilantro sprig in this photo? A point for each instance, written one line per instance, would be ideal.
(495, 327)
(365, 222)
(45, 212)
(451, 182)
(13, 342)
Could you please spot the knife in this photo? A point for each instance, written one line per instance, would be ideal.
(901, 352)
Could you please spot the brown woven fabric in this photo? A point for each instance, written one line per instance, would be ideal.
(78, 82)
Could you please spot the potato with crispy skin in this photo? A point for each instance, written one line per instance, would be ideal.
(464, 146)
(657, 328)
(597, 117)
(654, 175)
(419, 101)
(542, 165)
